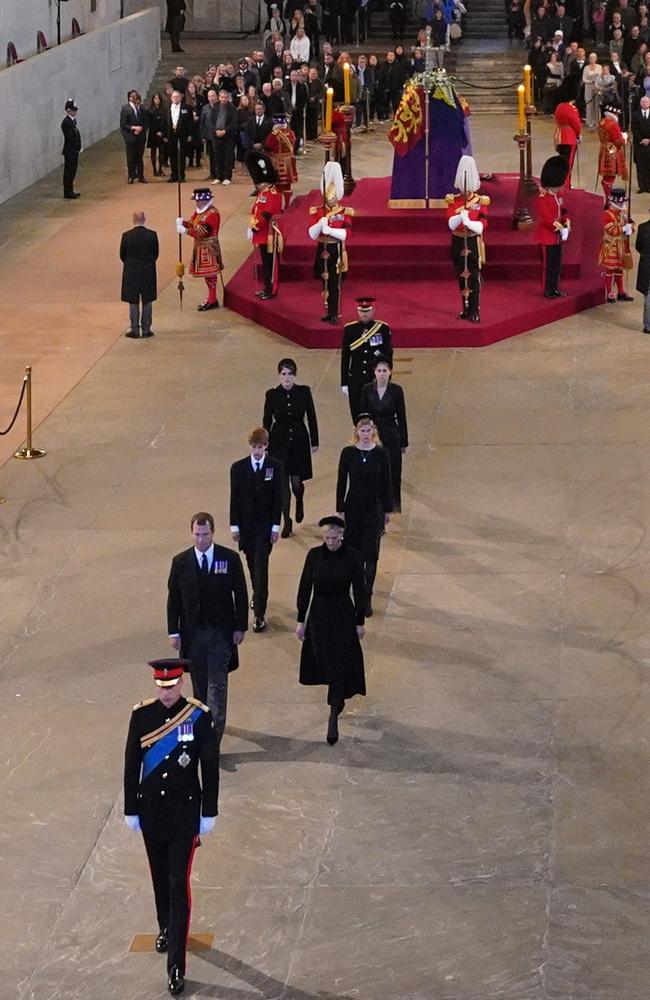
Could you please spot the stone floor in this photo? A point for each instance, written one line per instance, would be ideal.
(480, 830)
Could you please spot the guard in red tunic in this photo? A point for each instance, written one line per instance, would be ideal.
(467, 219)
(615, 256)
(611, 156)
(280, 143)
(203, 227)
(553, 224)
(330, 230)
(263, 230)
(567, 121)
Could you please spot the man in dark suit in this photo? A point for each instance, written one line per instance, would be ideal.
(256, 485)
(643, 274)
(177, 120)
(364, 341)
(258, 128)
(169, 736)
(225, 128)
(175, 22)
(139, 253)
(133, 126)
(298, 96)
(207, 614)
(71, 149)
(206, 128)
(641, 136)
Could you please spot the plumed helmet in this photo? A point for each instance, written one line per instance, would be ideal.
(331, 182)
(261, 169)
(554, 172)
(467, 178)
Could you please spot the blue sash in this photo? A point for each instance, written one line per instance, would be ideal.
(157, 753)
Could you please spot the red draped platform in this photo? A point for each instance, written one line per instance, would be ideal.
(402, 257)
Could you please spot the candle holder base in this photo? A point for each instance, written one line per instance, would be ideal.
(327, 141)
(349, 113)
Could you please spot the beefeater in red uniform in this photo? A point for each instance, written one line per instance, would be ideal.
(263, 230)
(611, 156)
(280, 144)
(553, 224)
(614, 255)
(203, 227)
(567, 121)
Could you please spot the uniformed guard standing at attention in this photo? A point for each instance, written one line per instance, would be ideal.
(330, 231)
(263, 230)
(467, 219)
(364, 341)
(168, 737)
(203, 227)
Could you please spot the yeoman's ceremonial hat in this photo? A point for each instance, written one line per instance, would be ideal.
(201, 194)
(618, 196)
(168, 672)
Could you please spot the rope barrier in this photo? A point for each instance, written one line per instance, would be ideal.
(480, 86)
(17, 411)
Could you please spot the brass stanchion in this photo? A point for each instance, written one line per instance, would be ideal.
(521, 218)
(530, 183)
(28, 451)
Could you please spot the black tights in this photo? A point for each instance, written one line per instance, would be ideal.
(370, 572)
(156, 161)
(294, 484)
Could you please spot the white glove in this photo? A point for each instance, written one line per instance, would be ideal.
(180, 228)
(627, 229)
(345, 390)
(207, 824)
(326, 230)
(133, 823)
(564, 233)
(249, 234)
(464, 216)
(624, 134)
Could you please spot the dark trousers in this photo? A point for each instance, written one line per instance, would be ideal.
(552, 264)
(471, 303)
(170, 862)
(177, 163)
(326, 268)
(70, 164)
(175, 27)
(224, 152)
(210, 654)
(355, 390)
(134, 159)
(642, 160)
(213, 159)
(267, 267)
(138, 318)
(257, 549)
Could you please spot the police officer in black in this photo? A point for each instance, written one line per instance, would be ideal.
(169, 736)
(71, 149)
(364, 341)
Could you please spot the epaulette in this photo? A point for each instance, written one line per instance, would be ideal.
(314, 209)
(484, 199)
(450, 197)
(352, 322)
(141, 704)
(199, 704)
(348, 211)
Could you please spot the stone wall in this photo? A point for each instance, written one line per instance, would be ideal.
(21, 19)
(96, 70)
(214, 16)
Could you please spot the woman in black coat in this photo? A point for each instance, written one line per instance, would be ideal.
(331, 652)
(155, 137)
(383, 400)
(285, 409)
(364, 497)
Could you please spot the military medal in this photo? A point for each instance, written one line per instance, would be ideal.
(184, 759)
(185, 732)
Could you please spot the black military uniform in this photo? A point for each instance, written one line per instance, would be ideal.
(364, 341)
(161, 786)
(71, 149)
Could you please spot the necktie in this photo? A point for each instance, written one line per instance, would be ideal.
(258, 466)
(204, 565)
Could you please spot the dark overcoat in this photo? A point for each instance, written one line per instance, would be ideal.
(331, 652)
(285, 412)
(643, 248)
(139, 253)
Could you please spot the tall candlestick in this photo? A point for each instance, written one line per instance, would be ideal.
(522, 111)
(328, 109)
(346, 82)
(527, 86)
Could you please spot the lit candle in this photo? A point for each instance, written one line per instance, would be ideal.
(527, 87)
(328, 109)
(522, 112)
(346, 82)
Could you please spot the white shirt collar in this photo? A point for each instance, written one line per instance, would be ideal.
(255, 461)
(208, 552)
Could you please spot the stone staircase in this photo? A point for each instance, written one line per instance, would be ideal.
(485, 19)
(496, 76)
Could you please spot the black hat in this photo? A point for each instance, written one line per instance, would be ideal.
(332, 521)
(261, 169)
(70, 105)
(365, 302)
(168, 672)
(618, 196)
(612, 108)
(201, 194)
(568, 89)
(554, 172)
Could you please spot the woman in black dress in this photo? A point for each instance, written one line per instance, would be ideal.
(331, 652)
(364, 497)
(155, 140)
(285, 409)
(383, 400)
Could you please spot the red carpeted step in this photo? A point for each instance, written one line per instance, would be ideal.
(403, 258)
